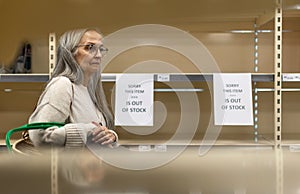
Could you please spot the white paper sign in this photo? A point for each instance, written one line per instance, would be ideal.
(233, 99)
(134, 100)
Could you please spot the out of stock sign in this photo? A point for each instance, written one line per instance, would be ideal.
(233, 99)
(134, 100)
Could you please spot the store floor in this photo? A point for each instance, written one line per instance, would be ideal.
(155, 170)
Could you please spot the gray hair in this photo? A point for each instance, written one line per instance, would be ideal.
(67, 66)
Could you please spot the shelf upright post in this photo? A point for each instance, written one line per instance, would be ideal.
(254, 84)
(52, 53)
(278, 72)
(52, 62)
(277, 95)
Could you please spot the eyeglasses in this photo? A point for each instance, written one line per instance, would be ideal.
(93, 49)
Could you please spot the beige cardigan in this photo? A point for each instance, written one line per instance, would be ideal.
(61, 101)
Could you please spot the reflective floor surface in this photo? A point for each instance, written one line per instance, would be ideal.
(154, 170)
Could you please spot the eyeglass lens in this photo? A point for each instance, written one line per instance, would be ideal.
(93, 49)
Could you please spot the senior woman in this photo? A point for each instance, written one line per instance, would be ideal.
(75, 96)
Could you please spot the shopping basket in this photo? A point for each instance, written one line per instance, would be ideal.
(25, 143)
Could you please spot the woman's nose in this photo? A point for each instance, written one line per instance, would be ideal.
(98, 53)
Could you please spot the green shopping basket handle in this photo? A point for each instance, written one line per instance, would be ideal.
(40, 125)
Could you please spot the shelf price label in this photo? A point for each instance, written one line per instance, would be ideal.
(134, 100)
(233, 99)
(163, 77)
(291, 77)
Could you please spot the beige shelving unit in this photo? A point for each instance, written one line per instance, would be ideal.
(275, 100)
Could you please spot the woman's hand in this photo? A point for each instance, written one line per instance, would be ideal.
(102, 135)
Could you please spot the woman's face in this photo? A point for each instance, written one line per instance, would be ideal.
(88, 54)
